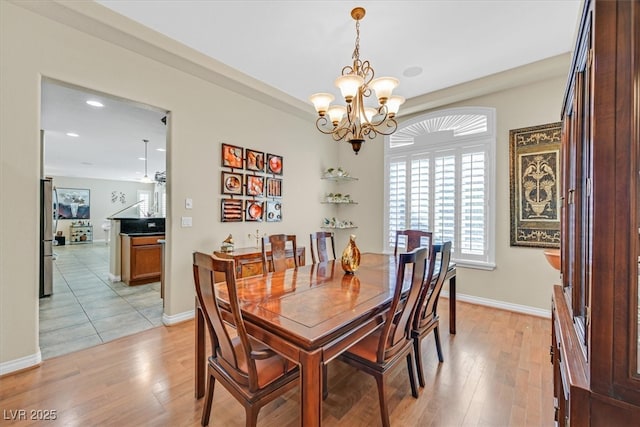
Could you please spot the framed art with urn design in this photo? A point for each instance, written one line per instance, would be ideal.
(534, 176)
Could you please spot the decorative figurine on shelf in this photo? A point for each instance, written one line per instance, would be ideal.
(257, 236)
(227, 244)
(351, 256)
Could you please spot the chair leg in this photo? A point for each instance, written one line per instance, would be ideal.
(325, 386)
(206, 410)
(384, 411)
(412, 376)
(436, 333)
(417, 341)
(251, 414)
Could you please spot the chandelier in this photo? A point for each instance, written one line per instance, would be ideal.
(356, 121)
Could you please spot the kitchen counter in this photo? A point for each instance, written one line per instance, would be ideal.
(141, 257)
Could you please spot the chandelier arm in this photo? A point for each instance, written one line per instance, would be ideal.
(322, 124)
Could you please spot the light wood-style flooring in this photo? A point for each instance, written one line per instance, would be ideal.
(496, 373)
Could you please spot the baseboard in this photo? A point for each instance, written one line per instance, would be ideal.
(114, 278)
(20, 364)
(177, 318)
(517, 308)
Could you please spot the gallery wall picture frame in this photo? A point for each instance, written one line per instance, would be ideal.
(231, 210)
(274, 164)
(254, 210)
(73, 203)
(274, 187)
(254, 185)
(274, 211)
(254, 160)
(534, 178)
(231, 183)
(232, 156)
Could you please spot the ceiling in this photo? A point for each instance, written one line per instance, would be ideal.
(300, 47)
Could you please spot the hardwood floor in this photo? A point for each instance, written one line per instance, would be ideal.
(496, 373)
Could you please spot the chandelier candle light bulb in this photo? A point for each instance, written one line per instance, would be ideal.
(356, 121)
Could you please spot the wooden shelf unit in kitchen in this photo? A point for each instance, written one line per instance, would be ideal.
(141, 260)
(81, 234)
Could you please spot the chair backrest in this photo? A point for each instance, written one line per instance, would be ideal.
(414, 238)
(229, 356)
(430, 294)
(396, 330)
(278, 244)
(320, 240)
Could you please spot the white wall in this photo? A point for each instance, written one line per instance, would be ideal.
(100, 198)
(203, 115)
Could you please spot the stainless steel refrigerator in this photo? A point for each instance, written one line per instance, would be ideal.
(47, 230)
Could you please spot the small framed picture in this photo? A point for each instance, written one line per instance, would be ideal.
(231, 183)
(274, 164)
(231, 210)
(232, 156)
(255, 185)
(253, 211)
(274, 187)
(255, 160)
(274, 211)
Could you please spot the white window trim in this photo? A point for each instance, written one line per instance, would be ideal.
(488, 138)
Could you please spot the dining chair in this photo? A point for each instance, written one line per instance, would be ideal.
(320, 239)
(382, 350)
(426, 319)
(278, 244)
(252, 372)
(414, 239)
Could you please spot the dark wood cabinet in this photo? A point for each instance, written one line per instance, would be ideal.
(249, 260)
(594, 348)
(141, 260)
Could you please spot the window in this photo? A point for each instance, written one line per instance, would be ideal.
(440, 178)
(144, 208)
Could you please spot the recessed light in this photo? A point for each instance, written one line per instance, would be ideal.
(412, 71)
(161, 149)
(73, 134)
(94, 103)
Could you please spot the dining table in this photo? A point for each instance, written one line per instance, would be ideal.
(310, 315)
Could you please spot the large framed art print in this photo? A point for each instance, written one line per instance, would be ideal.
(534, 177)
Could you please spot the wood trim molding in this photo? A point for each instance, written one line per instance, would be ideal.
(20, 364)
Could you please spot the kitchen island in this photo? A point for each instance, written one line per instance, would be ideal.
(141, 258)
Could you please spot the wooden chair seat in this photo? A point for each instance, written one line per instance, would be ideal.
(382, 350)
(251, 371)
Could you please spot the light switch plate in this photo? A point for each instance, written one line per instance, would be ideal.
(186, 221)
(188, 203)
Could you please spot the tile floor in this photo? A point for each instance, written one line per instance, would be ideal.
(86, 309)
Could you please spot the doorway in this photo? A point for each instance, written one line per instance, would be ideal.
(94, 145)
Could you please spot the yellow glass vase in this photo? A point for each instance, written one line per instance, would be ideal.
(351, 256)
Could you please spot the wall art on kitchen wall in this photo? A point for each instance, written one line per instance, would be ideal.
(73, 203)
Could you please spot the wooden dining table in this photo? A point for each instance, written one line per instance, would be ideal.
(310, 315)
